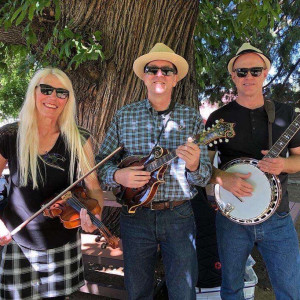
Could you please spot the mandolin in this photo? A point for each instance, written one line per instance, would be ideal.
(157, 163)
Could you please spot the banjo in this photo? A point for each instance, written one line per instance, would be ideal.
(267, 192)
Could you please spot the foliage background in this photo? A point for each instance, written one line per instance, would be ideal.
(40, 33)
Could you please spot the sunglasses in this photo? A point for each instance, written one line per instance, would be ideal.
(48, 90)
(166, 71)
(255, 71)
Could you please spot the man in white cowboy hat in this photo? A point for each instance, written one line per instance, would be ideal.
(167, 221)
(275, 237)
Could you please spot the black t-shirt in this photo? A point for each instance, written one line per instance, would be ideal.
(42, 232)
(251, 135)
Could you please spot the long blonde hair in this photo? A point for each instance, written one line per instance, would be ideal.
(28, 136)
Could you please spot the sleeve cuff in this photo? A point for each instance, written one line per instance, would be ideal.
(110, 177)
(201, 176)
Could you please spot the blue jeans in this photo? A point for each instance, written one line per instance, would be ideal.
(174, 231)
(276, 240)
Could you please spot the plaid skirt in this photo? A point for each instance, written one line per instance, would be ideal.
(34, 274)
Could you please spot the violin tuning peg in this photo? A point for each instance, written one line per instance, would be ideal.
(210, 144)
(226, 140)
(220, 140)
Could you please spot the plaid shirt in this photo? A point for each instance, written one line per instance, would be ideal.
(137, 127)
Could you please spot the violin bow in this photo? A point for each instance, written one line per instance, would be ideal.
(22, 225)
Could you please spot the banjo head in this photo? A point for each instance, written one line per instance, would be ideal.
(253, 209)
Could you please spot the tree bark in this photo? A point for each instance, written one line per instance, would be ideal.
(12, 36)
(129, 28)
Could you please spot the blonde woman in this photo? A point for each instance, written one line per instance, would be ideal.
(45, 150)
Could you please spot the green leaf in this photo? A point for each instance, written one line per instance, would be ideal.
(57, 9)
(55, 31)
(62, 51)
(263, 22)
(68, 49)
(21, 17)
(16, 13)
(31, 11)
(48, 46)
(7, 24)
(61, 36)
(272, 23)
(97, 35)
(68, 33)
(93, 56)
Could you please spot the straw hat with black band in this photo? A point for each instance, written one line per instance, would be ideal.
(247, 48)
(161, 52)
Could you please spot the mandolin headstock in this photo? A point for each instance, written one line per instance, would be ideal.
(219, 131)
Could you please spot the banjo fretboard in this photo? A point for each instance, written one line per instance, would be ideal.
(284, 138)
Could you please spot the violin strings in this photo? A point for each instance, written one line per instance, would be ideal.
(95, 221)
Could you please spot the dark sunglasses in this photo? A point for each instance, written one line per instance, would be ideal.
(48, 90)
(255, 71)
(166, 71)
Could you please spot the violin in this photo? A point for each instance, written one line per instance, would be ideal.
(68, 207)
(93, 218)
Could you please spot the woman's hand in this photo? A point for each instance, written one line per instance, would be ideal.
(86, 222)
(5, 237)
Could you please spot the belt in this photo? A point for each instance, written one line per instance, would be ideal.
(164, 204)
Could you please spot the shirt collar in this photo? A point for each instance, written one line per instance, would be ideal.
(152, 110)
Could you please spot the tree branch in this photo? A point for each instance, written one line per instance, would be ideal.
(13, 36)
(277, 74)
(293, 68)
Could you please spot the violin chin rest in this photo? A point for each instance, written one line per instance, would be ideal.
(52, 213)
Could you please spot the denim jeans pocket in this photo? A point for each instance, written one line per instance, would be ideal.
(282, 215)
(184, 210)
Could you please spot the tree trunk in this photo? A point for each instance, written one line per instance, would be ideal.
(129, 28)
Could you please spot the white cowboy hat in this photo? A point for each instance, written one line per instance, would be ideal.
(161, 52)
(247, 48)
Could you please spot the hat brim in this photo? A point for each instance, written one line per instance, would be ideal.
(180, 63)
(264, 58)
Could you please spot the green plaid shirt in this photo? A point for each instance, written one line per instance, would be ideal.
(137, 127)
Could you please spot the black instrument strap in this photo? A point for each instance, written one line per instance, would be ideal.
(165, 115)
(270, 110)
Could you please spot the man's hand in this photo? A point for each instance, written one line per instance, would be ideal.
(190, 153)
(271, 165)
(132, 177)
(236, 183)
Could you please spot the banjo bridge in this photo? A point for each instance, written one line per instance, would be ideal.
(228, 208)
